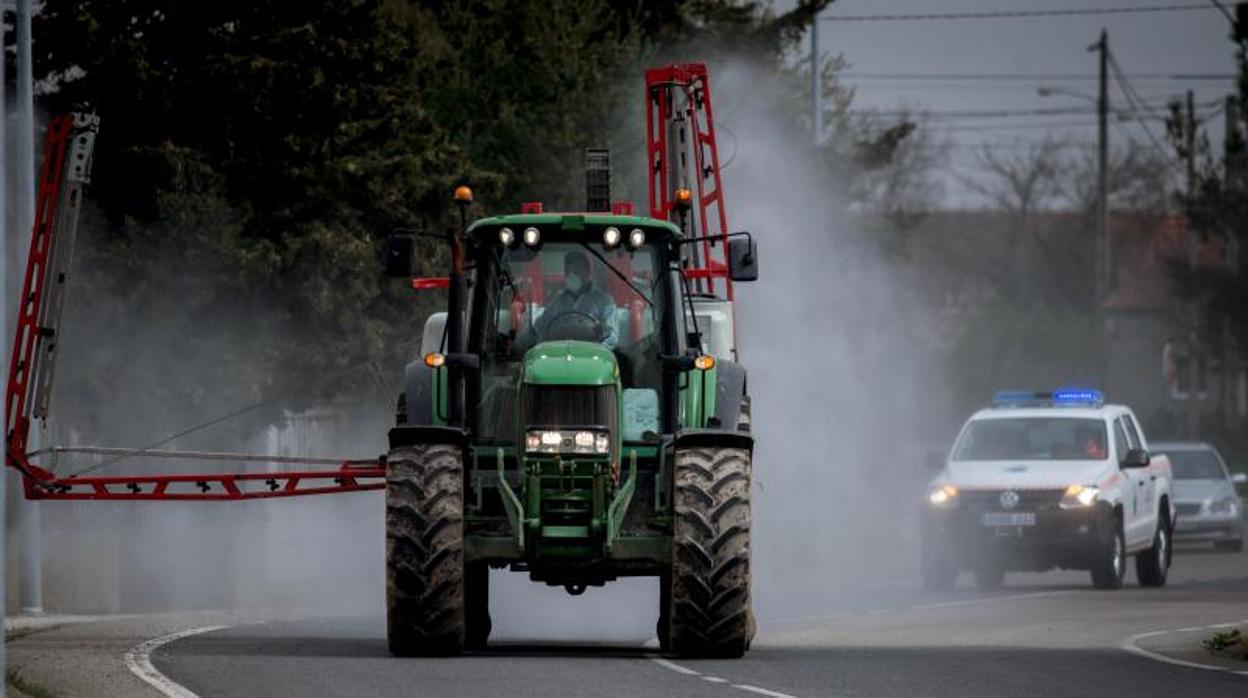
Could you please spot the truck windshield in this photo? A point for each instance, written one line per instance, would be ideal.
(1195, 465)
(1032, 438)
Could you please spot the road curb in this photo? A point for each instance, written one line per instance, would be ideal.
(1181, 647)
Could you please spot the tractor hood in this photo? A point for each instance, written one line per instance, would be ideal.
(570, 362)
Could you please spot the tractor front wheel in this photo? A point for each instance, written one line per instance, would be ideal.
(425, 594)
(709, 613)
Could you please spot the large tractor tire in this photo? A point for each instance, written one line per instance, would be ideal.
(425, 574)
(710, 614)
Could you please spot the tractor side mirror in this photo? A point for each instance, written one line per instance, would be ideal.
(1239, 478)
(401, 255)
(743, 259)
(1136, 458)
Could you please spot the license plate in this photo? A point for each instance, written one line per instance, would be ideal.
(1010, 518)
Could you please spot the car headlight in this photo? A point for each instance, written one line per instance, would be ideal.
(1079, 496)
(557, 441)
(943, 496)
(1226, 505)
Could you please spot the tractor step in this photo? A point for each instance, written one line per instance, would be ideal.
(565, 531)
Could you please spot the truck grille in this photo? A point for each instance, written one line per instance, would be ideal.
(1028, 500)
(1187, 508)
(569, 406)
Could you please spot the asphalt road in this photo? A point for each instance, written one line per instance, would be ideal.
(1043, 635)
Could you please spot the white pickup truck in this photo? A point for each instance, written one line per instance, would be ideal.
(1049, 480)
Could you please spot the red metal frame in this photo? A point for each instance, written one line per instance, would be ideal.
(429, 282)
(18, 391)
(40, 482)
(684, 92)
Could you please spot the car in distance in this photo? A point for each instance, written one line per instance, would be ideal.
(1209, 508)
(1043, 480)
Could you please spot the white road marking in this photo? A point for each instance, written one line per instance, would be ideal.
(1130, 645)
(761, 691)
(675, 667)
(139, 662)
(987, 599)
(715, 679)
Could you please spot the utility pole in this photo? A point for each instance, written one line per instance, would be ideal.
(1233, 149)
(1193, 336)
(816, 86)
(31, 589)
(1104, 268)
(6, 244)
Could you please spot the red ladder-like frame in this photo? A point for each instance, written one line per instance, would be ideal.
(683, 92)
(65, 170)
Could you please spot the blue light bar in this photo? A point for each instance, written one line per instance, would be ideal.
(1078, 396)
(1062, 397)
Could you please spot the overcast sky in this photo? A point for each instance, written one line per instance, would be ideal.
(1149, 47)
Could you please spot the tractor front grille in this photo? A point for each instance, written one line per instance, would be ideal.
(568, 406)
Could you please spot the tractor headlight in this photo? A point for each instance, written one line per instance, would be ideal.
(532, 236)
(555, 441)
(636, 238)
(1079, 496)
(507, 236)
(943, 496)
(611, 237)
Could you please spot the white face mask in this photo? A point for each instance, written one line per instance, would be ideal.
(573, 283)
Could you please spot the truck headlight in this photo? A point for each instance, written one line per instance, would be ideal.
(1226, 505)
(943, 496)
(1079, 496)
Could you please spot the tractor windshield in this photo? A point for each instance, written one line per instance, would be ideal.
(567, 290)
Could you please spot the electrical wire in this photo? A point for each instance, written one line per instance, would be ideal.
(1021, 14)
(1012, 77)
(218, 420)
(1133, 98)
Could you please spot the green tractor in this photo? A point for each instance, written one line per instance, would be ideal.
(577, 414)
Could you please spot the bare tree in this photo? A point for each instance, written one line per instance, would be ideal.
(1140, 180)
(1019, 181)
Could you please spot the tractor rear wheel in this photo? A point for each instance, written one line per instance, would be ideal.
(710, 615)
(425, 551)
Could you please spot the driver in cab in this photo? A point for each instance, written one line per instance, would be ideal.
(580, 297)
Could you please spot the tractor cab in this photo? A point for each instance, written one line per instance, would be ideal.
(568, 305)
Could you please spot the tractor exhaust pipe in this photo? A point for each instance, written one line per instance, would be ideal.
(598, 180)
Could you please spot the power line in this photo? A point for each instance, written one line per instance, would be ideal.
(1134, 99)
(1136, 106)
(1042, 77)
(1010, 127)
(1020, 14)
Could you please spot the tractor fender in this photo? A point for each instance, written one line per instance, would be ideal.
(713, 438)
(729, 391)
(418, 390)
(417, 435)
